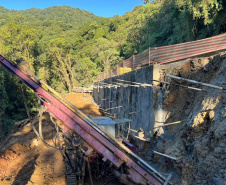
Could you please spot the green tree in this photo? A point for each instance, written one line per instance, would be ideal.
(85, 71)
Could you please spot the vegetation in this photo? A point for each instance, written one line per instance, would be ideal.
(177, 21)
(68, 47)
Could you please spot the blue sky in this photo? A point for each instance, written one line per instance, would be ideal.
(103, 8)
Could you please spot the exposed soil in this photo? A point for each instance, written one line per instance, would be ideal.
(24, 159)
(199, 141)
(84, 102)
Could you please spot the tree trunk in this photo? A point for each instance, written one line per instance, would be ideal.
(63, 71)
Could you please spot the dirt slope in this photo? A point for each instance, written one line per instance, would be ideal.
(24, 159)
(199, 141)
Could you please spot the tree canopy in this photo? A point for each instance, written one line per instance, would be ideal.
(68, 47)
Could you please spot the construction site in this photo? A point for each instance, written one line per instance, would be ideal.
(156, 118)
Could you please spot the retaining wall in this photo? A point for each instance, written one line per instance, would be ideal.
(140, 104)
(137, 102)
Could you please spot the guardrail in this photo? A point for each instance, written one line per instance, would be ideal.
(166, 54)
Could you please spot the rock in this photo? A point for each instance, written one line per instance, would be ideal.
(218, 150)
(218, 181)
(211, 114)
(223, 145)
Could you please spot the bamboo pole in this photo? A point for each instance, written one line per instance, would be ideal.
(188, 87)
(141, 84)
(107, 85)
(173, 123)
(193, 81)
(126, 84)
(114, 108)
(164, 155)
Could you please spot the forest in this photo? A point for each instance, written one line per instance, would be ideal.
(67, 47)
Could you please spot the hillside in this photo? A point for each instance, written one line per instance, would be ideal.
(37, 17)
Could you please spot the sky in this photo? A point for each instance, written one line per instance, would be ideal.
(105, 8)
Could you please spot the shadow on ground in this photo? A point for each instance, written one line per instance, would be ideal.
(26, 172)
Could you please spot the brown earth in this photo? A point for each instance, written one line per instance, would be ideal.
(199, 141)
(24, 159)
(84, 102)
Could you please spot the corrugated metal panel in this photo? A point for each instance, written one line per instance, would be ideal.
(165, 54)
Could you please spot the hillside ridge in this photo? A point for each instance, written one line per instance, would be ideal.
(67, 14)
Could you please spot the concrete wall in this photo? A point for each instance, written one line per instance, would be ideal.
(144, 105)
(137, 102)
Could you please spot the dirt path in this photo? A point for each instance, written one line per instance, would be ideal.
(25, 160)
